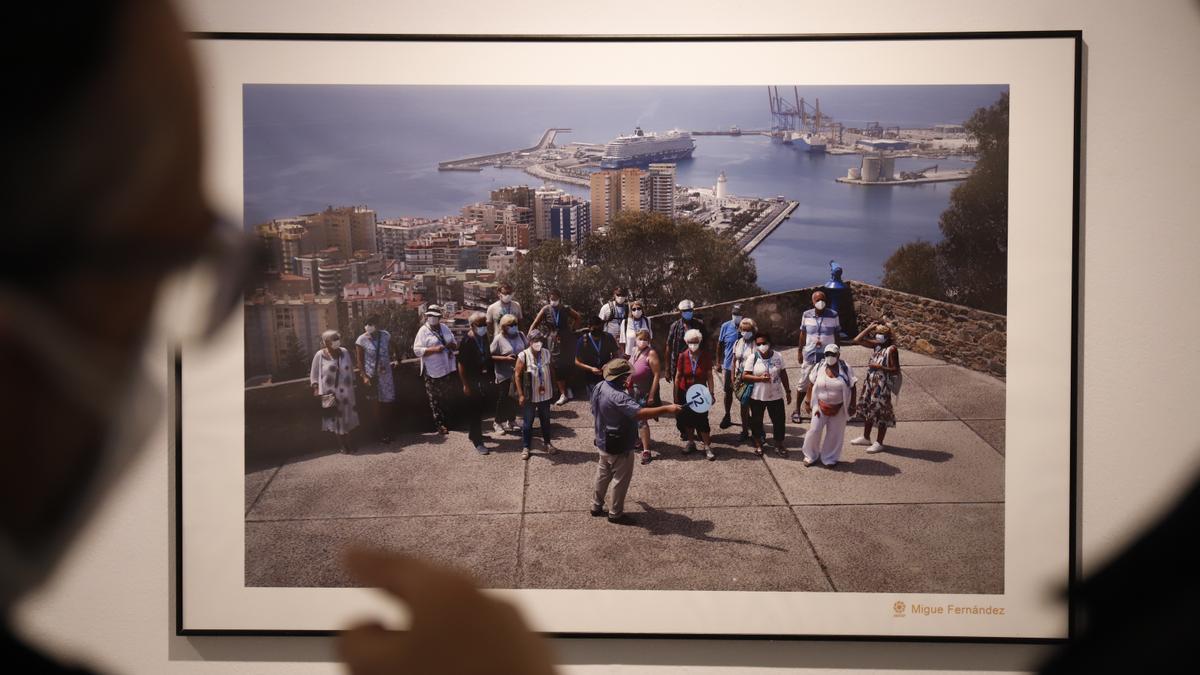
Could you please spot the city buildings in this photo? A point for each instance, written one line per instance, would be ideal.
(570, 220)
(661, 189)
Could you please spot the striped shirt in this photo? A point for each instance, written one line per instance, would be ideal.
(822, 329)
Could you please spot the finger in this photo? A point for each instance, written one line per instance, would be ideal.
(370, 648)
(418, 583)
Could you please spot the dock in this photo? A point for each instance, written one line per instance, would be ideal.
(763, 229)
(477, 162)
(940, 177)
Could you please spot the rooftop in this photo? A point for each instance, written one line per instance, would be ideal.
(927, 515)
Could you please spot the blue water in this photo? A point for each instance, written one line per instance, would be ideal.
(310, 146)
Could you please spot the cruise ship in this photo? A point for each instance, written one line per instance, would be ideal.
(641, 148)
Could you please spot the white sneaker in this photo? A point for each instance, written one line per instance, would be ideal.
(525, 453)
(481, 449)
(875, 447)
(861, 440)
(562, 400)
(497, 429)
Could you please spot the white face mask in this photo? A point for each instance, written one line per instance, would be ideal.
(554, 303)
(820, 304)
(763, 349)
(127, 398)
(370, 330)
(536, 347)
(620, 299)
(432, 320)
(693, 347)
(746, 334)
(335, 345)
(507, 297)
(637, 313)
(831, 360)
(642, 344)
(880, 338)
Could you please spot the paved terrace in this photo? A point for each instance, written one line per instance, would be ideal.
(927, 515)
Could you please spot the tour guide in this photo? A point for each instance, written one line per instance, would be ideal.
(616, 415)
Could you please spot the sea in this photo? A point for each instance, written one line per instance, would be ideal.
(307, 147)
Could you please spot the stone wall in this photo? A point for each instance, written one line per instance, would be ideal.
(968, 337)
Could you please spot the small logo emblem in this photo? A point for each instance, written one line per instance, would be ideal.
(899, 608)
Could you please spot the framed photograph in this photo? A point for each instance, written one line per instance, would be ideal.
(885, 450)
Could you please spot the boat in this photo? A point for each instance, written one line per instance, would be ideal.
(807, 141)
(641, 148)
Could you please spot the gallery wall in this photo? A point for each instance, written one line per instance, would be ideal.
(111, 602)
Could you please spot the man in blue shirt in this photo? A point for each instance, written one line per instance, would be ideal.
(616, 414)
(728, 335)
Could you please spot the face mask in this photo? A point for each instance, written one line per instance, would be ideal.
(831, 360)
(122, 394)
(370, 330)
(763, 349)
(637, 313)
(554, 303)
(597, 332)
(746, 335)
(620, 299)
(335, 345)
(737, 318)
(511, 331)
(433, 321)
(688, 314)
(693, 347)
(536, 347)
(507, 297)
(481, 330)
(820, 304)
(642, 344)
(880, 338)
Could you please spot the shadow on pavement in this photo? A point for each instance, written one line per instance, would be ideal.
(658, 522)
(865, 467)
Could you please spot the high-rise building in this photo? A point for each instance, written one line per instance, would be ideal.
(661, 189)
(635, 193)
(392, 235)
(517, 195)
(606, 197)
(349, 228)
(570, 220)
(544, 198)
(283, 332)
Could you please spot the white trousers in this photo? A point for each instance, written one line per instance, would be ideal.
(824, 439)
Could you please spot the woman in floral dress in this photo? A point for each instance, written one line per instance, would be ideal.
(880, 385)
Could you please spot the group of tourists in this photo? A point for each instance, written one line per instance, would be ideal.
(520, 375)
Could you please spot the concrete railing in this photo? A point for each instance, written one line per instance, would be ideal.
(284, 419)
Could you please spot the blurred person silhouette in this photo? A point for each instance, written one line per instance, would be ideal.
(102, 187)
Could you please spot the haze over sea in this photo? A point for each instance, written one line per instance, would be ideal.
(311, 146)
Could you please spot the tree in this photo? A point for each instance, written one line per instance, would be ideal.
(663, 261)
(659, 260)
(292, 362)
(972, 258)
(970, 264)
(913, 269)
(402, 322)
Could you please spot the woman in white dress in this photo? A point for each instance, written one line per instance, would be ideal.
(332, 381)
(833, 390)
(631, 325)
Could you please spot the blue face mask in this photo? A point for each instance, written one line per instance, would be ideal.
(481, 331)
(688, 315)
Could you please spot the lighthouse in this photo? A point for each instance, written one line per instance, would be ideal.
(721, 186)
